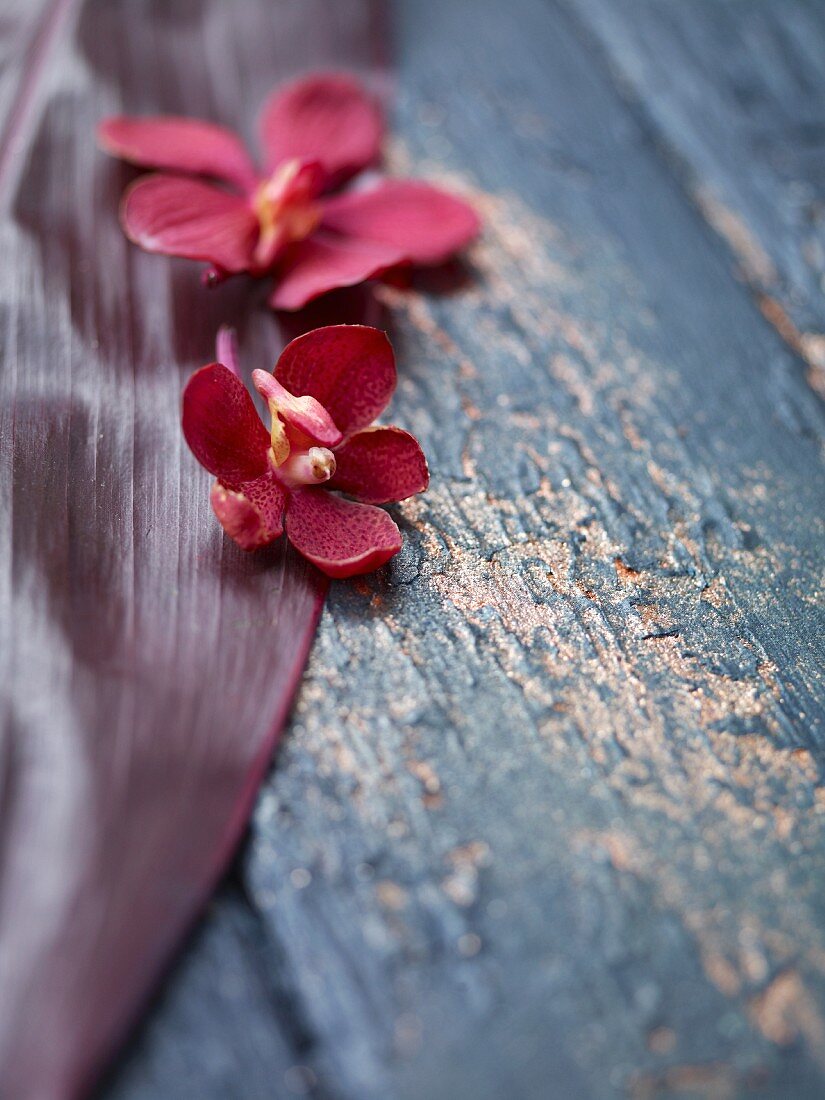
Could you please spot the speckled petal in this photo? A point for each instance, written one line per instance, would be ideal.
(349, 369)
(379, 465)
(252, 515)
(222, 426)
(339, 536)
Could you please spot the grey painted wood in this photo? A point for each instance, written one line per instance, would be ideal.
(549, 818)
(734, 96)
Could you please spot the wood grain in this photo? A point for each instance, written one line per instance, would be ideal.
(735, 102)
(147, 664)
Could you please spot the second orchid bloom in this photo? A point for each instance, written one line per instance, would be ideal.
(326, 389)
(291, 222)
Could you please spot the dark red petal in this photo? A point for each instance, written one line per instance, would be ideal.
(328, 117)
(424, 223)
(254, 515)
(349, 369)
(223, 428)
(379, 465)
(179, 145)
(339, 536)
(183, 217)
(325, 262)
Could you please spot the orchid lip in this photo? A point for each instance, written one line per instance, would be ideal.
(285, 208)
(311, 467)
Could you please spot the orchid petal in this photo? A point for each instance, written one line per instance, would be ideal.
(339, 536)
(328, 117)
(183, 217)
(426, 224)
(349, 369)
(378, 465)
(179, 145)
(222, 426)
(254, 514)
(326, 262)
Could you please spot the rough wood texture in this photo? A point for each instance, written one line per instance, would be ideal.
(736, 101)
(550, 816)
(147, 666)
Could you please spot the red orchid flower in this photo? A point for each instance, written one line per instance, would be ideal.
(320, 440)
(317, 133)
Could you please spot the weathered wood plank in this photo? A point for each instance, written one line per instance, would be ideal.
(735, 95)
(550, 814)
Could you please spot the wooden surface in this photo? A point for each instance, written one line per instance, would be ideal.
(549, 819)
(735, 104)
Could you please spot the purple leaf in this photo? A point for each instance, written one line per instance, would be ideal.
(147, 663)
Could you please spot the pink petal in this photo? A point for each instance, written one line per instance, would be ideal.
(179, 145)
(379, 465)
(349, 369)
(340, 537)
(304, 413)
(223, 428)
(254, 515)
(328, 117)
(424, 223)
(183, 217)
(325, 262)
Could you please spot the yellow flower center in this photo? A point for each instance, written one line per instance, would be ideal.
(286, 210)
